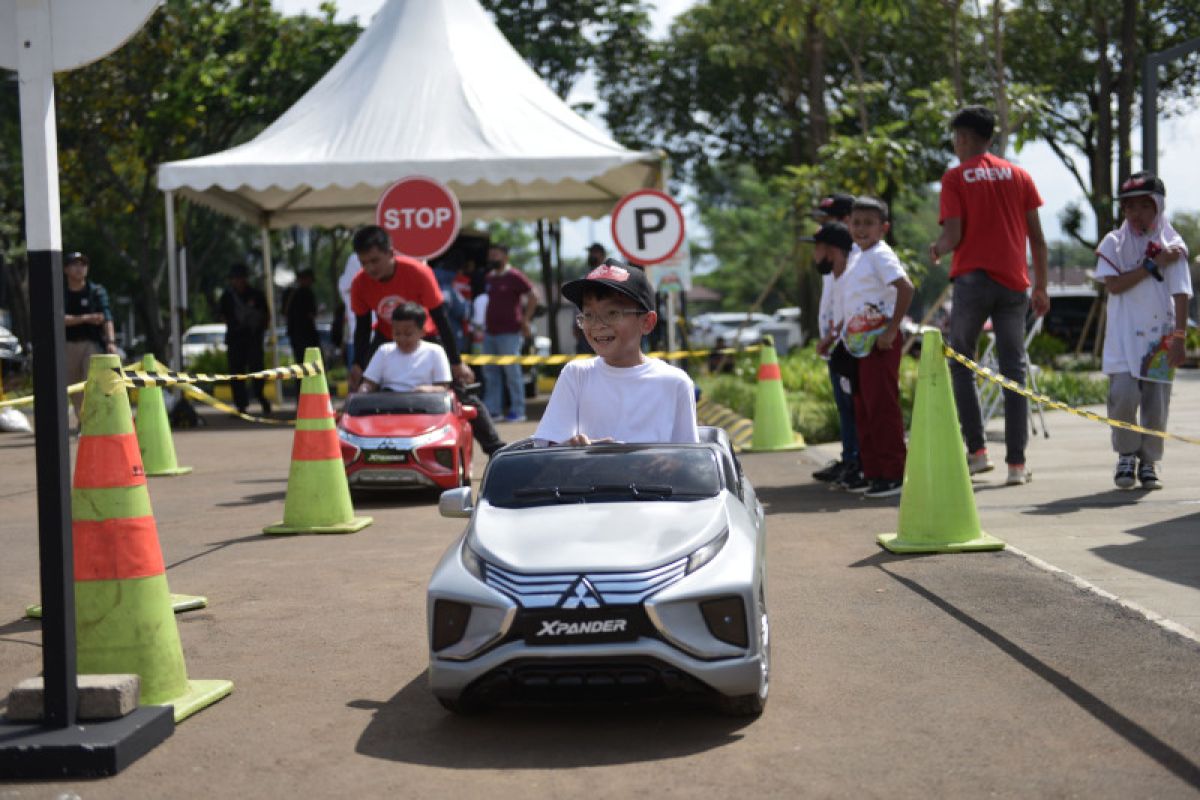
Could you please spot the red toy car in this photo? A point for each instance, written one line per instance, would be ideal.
(394, 440)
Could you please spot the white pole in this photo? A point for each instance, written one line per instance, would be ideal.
(176, 354)
(672, 314)
(269, 277)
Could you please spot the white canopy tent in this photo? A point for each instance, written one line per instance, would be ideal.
(430, 88)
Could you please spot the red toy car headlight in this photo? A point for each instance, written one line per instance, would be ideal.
(349, 452)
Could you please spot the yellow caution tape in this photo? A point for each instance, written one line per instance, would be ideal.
(135, 377)
(1050, 402)
(74, 388)
(196, 393)
(555, 360)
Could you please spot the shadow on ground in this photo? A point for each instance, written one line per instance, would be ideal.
(807, 498)
(1112, 498)
(413, 728)
(1169, 550)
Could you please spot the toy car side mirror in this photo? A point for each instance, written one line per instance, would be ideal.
(455, 502)
(470, 412)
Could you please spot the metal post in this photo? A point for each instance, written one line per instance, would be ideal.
(269, 278)
(43, 232)
(176, 355)
(1150, 99)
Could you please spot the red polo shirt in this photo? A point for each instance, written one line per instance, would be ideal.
(412, 281)
(991, 197)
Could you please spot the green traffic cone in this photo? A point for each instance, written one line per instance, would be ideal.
(772, 420)
(318, 496)
(153, 429)
(937, 505)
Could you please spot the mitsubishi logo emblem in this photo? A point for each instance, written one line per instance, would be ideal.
(581, 593)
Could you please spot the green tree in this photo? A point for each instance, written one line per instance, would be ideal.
(202, 75)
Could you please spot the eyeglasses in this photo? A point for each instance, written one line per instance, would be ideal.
(609, 318)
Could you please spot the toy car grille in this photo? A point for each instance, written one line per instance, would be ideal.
(588, 589)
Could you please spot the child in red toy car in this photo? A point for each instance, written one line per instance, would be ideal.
(408, 363)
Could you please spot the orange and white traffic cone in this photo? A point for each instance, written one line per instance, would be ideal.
(318, 496)
(124, 622)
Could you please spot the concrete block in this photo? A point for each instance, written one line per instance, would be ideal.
(100, 697)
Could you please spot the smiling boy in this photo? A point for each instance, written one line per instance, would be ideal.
(869, 302)
(620, 395)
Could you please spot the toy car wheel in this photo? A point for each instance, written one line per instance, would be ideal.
(752, 705)
(462, 705)
(464, 469)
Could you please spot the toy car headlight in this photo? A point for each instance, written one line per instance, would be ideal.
(472, 562)
(707, 553)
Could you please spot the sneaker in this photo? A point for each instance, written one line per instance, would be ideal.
(1018, 475)
(514, 417)
(978, 462)
(1123, 477)
(884, 487)
(853, 482)
(1148, 475)
(266, 407)
(830, 472)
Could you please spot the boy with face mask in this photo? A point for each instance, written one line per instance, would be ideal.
(1144, 268)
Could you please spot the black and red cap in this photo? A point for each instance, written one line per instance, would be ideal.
(616, 275)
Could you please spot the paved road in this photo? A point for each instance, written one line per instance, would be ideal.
(895, 677)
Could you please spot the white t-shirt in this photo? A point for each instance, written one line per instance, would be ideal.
(1140, 317)
(403, 372)
(652, 402)
(864, 298)
(825, 308)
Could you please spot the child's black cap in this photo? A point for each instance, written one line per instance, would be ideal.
(1141, 183)
(618, 276)
(834, 205)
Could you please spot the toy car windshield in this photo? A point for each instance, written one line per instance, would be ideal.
(373, 403)
(604, 474)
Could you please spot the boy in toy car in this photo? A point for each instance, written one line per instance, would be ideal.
(408, 363)
(620, 395)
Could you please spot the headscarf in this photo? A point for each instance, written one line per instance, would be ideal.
(1126, 248)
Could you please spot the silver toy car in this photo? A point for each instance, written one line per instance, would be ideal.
(604, 572)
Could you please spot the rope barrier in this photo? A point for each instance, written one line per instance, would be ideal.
(1050, 402)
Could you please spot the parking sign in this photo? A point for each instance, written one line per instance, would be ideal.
(647, 226)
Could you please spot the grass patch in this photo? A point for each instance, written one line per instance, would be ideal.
(810, 396)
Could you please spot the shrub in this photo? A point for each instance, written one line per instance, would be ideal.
(1044, 348)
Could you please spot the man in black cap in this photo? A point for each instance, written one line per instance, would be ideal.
(836, 208)
(244, 309)
(621, 395)
(88, 319)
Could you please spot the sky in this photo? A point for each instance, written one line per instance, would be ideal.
(1178, 168)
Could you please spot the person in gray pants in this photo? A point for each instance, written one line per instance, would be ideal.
(989, 210)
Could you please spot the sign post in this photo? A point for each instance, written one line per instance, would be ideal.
(37, 39)
(421, 215)
(648, 229)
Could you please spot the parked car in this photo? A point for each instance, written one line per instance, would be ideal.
(731, 327)
(398, 440)
(199, 339)
(785, 329)
(622, 571)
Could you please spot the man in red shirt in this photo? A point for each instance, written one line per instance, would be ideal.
(989, 210)
(510, 307)
(387, 280)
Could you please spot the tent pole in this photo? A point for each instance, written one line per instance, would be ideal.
(173, 289)
(269, 278)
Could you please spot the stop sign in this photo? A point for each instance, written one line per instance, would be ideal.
(421, 215)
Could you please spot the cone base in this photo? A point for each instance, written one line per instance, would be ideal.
(168, 472)
(179, 604)
(200, 695)
(353, 526)
(893, 543)
(799, 444)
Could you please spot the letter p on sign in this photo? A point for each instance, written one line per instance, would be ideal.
(647, 226)
(421, 215)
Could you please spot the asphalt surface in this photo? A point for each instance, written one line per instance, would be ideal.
(945, 675)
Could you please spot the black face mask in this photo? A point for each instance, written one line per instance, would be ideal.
(495, 264)
(824, 266)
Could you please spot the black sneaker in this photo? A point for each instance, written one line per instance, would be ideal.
(266, 407)
(853, 482)
(1123, 475)
(884, 488)
(1148, 476)
(830, 472)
